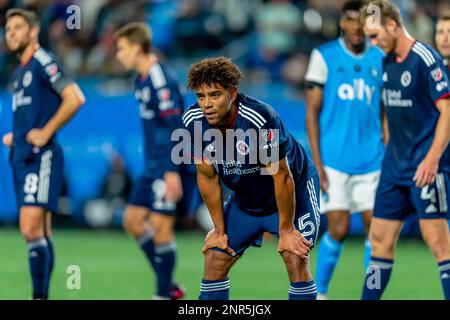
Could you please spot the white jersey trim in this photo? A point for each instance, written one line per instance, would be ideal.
(157, 76)
(317, 68)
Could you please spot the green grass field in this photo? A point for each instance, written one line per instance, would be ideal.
(113, 267)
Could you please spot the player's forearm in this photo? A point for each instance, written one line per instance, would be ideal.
(313, 103)
(312, 125)
(70, 104)
(442, 134)
(285, 197)
(211, 193)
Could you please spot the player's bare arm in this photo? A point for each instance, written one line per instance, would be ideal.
(211, 191)
(8, 139)
(72, 100)
(291, 239)
(314, 97)
(427, 170)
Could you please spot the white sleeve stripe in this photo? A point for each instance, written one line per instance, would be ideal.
(252, 120)
(45, 55)
(42, 59)
(422, 56)
(256, 114)
(193, 111)
(186, 123)
(248, 114)
(194, 114)
(427, 52)
(157, 76)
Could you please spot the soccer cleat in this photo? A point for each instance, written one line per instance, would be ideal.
(177, 292)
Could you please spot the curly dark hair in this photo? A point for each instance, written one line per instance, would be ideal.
(219, 70)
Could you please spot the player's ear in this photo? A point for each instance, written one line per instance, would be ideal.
(233, 93)
(34, 32)
(391, 26)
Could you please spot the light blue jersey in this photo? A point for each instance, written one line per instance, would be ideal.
(350, 118)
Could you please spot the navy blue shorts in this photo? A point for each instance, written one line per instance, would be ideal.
(38, 180)
(395, 202)
(246, 230)
(149, 193)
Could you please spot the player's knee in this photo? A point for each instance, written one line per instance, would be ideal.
(439, 247)
(31, 230)
(339, 231)
(132, 224)
(380, 246)
(217, 265)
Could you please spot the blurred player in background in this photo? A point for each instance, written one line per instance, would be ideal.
(442, 38)
(150, 213)
(344, 121)
(283, 201)
(43, 101)
(415, 173)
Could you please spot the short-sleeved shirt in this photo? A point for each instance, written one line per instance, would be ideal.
(258, 137)
(410, 92)
(350, 118)
(161, 105)
(37, 85)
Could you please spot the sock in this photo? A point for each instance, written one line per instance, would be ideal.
(147, 245)
(51, 262)
(377, 278)
(38, 257)
(215, 289)
(164, 265)
(367, 253)
(328, 255)
(444, 269)
(303, 290)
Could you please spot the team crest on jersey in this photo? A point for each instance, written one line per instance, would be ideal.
(163, 94)
(51, 69)
(267, 135)
(242, 148)
(27, 78)
(385, 77)
(437, 74)
(406, 78)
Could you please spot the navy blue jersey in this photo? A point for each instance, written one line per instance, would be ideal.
(37, 86)
(161, 104)
(241, 162)
(410, 92)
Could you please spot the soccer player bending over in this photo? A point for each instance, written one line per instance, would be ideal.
(415, 175)
(274, 183)
(151, 209)
(43, 101)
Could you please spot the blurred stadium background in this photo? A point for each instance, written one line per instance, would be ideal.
(271, 40)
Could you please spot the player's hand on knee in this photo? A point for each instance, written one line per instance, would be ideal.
(174, 188)
(323, 178)
(294, 242)
(8, 139)
(38, 137)
(426, 172)
(217, 239)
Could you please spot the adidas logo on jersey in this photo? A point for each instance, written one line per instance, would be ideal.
(29, 198)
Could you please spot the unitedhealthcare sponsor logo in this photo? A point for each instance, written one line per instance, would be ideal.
(238, 151)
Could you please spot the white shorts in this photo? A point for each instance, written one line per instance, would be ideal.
(355, 193)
